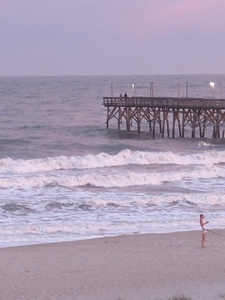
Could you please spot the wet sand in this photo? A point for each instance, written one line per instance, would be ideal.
(138, 267)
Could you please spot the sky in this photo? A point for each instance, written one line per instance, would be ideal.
(111, 37)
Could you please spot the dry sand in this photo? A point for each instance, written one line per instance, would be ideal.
(138, 267)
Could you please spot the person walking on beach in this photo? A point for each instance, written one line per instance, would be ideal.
(203, 223)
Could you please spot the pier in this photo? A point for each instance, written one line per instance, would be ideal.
(176, 117)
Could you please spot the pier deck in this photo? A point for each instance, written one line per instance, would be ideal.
(169, 116)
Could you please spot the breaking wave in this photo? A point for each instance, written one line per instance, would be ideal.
(125, 157)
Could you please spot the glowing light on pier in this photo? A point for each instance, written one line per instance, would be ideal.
(133, 88)
(212, 84)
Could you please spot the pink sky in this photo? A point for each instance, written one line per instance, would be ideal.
(107, 37)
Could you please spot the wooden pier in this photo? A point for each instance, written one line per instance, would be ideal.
(168, 116)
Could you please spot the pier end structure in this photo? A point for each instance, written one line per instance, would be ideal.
(168, 116)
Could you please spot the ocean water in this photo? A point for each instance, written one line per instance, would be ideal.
(64, 176)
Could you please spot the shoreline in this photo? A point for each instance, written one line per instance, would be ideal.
(139, 266)
(49, 242)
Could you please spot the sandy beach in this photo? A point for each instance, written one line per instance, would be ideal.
(148, 267)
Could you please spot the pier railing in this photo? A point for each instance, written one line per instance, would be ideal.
(172, 102)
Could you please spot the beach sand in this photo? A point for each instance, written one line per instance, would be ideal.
(138, 267)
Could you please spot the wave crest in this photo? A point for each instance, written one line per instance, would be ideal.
(101, 160)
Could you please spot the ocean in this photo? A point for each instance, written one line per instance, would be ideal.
(65, 177)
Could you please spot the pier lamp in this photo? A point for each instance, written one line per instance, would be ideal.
(212, 84)
(133, 87)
